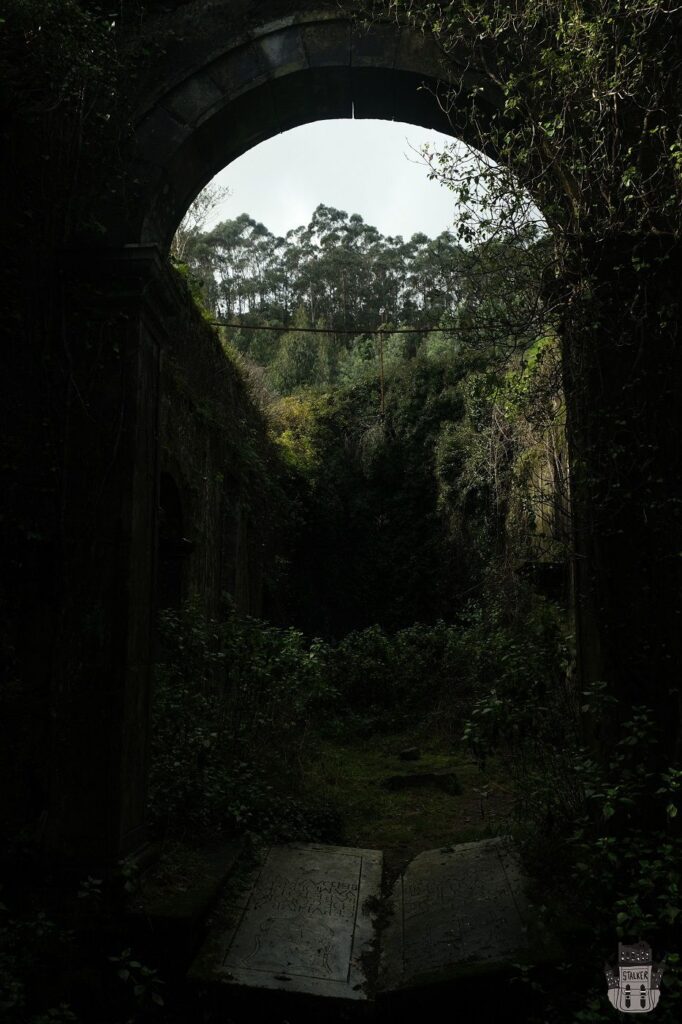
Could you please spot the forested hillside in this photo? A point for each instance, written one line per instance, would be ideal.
(425, 458)
(339, 273)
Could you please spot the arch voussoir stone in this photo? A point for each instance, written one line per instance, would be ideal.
(328, 44)
(239, 70)
(193, 101)
(375, 49)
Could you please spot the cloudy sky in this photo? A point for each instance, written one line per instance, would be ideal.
(364, 166)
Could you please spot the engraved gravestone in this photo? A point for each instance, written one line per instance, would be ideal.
(302, 923)
(454, 908)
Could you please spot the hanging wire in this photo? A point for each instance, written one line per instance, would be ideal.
(332, 330)
(379, 331)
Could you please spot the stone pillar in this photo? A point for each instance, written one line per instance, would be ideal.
(115, 305)
(623, 367)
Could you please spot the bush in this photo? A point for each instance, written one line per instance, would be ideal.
(232, 712)
(517, 664)
(598, 830)
(384, 680)
(433, 674)
(240, 706)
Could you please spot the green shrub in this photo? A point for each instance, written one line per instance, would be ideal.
(232, 712)
(517, 665)
(432, 674)
(598, 826)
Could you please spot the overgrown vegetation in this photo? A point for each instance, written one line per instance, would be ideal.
(243, 709)
(234, 707)
(429, 474)
(580, 105)
(340, 275)
(449, 465)
(583, 123)
(420, 462)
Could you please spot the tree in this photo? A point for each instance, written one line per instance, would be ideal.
(300, 358)
(194, 221)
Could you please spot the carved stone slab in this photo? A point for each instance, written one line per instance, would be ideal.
(454, 909)
(302, 923)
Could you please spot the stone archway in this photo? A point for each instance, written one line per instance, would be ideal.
(230, 75)
(200, 113)
(225, 75)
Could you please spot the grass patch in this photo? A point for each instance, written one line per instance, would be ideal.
(349, 776)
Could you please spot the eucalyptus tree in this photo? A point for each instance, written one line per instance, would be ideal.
(340, 270)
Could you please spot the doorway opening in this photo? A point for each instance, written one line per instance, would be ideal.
(413, 496)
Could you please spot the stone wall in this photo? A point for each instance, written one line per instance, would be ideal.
(216, 466)
(163, 485)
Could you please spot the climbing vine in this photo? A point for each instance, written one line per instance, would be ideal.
(578, 100)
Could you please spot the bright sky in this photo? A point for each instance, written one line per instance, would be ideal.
(360, 166)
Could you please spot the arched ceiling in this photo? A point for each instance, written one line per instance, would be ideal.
(233, 75)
